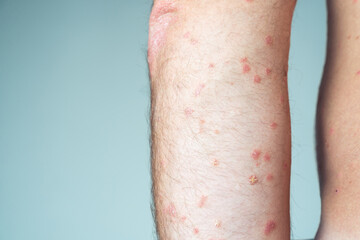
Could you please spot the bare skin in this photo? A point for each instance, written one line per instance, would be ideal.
(220, 118)
(338, 125)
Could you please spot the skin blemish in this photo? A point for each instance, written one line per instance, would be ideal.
(253, 180)
(187, 35)
(336, 190)
(268, 71)
(269, 40)
(188, 112)
(257, 79)
(285, 165)
(256, 154)
(193, 41)
(267, 157)
(211, 65)
(269, 228)
(218, 224)
(246, 68)
(202, 201)
(198, 89)
(269, 177)
(358, 73)
(273, 125)
(349, 36)
(217, 131)
(171, 210)
(258, 164)
(183, 219)
(215, 162)
(196, 230)
(243, 60)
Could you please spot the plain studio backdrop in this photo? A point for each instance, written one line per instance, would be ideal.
(74, 128)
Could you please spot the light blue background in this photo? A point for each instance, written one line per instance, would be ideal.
(74, 99)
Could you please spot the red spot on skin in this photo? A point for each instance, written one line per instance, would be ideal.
(285, 165)
(218, 224)
(253, 180)
(257, 79)
(273, 125)
(269, 228)
(246, 68)
(256, 154)
(268, 71)
(215, 162)
(258, 164)
(217, 131)
(188, 112)
(336, 190)
(202, 201)
(355, 1)
(349, 36)
(196, 230)
(187, 35)
(198, 89)
(269, 40)
(269, 177)
(331, 131)
(183, 219)
(211, 65)
(194, 41)
(244, 60)
(231, 83)
(267, 157)
(171, 210)
(202, 121)
(357, 37)
(358, 72)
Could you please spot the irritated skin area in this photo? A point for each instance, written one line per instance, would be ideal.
(218, 84)
(338, 125)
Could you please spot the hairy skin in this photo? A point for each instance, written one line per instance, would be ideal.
(220, 118)
(338, 125)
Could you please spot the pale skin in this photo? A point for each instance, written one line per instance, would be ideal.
(221, 142)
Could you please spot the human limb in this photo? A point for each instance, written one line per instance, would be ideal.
(220, 118)
(338, 125)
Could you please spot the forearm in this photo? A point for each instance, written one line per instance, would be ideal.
(338, 124)
(220, 120)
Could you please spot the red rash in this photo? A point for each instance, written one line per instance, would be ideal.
(202, 201)
(269, 228)
(196, 230)
(256, 154)
(267, 157)
(211, 65)
(171, 210)
(269, 177)
(273, 125)
(246, 68)
(257, 79)
(358, 73)
(269, 40)
(188, 112)
(268, 71)
(198, 89)
(253, 180)
(215, 162)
